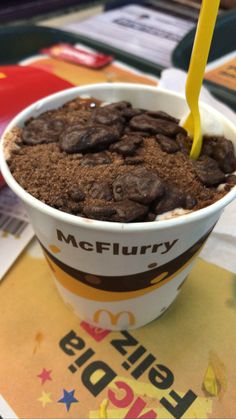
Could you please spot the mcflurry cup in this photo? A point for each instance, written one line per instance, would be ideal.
(115, 275)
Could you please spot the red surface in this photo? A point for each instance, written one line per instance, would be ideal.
(20, 86)
(2, 182)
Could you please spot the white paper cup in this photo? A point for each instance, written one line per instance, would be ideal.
(114, 275)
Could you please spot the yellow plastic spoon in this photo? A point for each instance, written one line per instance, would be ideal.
(200, 52)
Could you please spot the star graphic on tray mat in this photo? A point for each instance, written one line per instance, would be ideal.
(68, 398)
(45, 375)
(45, 398)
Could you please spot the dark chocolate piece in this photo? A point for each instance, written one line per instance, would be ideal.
(142, 186)
(173, 198)
(42, 130)
(101, 191)
(169, 145)
(87, 138)
(93, 159)
(208, 171)
(155, 126)
(128, 211)
(127, 145)
(76, 194)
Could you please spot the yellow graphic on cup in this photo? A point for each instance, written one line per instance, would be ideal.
(54, 249)
(114, 317)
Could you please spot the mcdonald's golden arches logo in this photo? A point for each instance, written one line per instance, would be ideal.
(114, 318)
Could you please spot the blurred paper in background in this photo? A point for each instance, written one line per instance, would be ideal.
(152, 34)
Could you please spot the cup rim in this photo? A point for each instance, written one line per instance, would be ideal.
(97, 224)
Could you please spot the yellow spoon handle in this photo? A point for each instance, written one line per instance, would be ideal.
(200, 52)
(197, 139)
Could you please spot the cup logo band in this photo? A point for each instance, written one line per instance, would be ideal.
(114, 288)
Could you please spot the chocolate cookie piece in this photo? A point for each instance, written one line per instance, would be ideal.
(221, 150)
(42, 130)
(120, 106)
(154, 126)
(88, 138)
(127, 145)
(142, 134)
(128, 211)
(169, 145)
(223, 153)
(93, 159)
(142, 186)
(133, 161)
(73, 207)
(208, 171)
(184, 143)
(231, 180)
(190, 202)
(173, 198)
(162, 115)
(151, 216)
(106, 116)
(81, 104)
(129, 113)
(99, 212)
(75, 126)
(58, 203)
(76, 194)
(101, 191)
(208, 146)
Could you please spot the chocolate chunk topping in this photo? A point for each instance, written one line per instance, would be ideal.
(120, 106)
(74, 127)
(154, 126)
(133, 160)
(129, 113)
(76, 194)
(81, 104)
(128, 211)
(143, 134)
(127, 146)
(101, 191)
(59, 202)
(150, 216)
(106, 116)
(173, 198)
(169, 145)
(88, 138)
(231, 180)
(223, 153)
(184, 143)
(162, 115)
(99, 212)
(92, 159)
(222, 150)
(208, 171)
(73, 207)
(142, 186)
(190, 202)
(208, 146)
(39, 131)
(125, 211)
